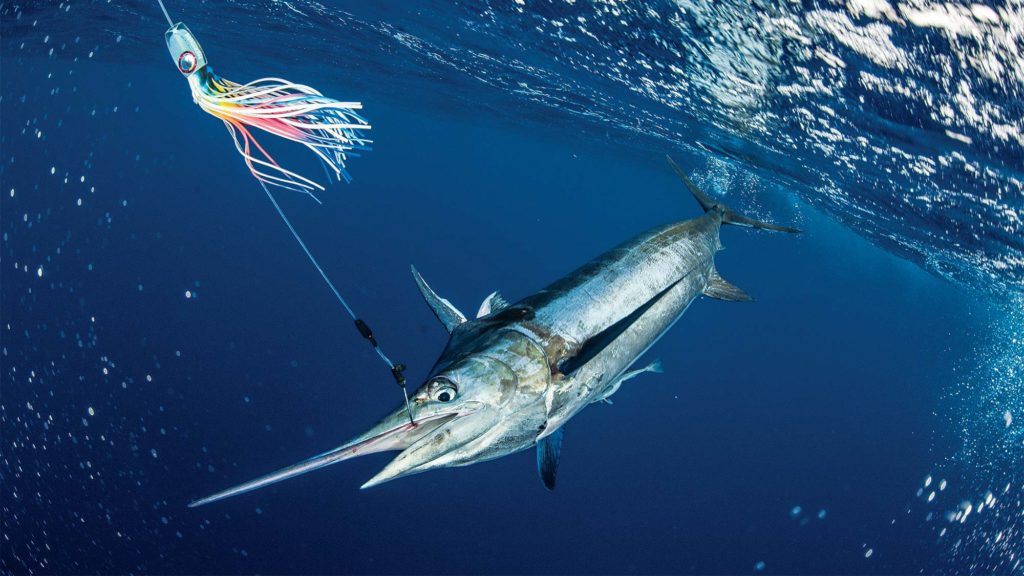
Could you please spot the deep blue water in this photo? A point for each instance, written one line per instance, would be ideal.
(163, 337)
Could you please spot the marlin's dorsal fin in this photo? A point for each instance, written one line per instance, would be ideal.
(548, 451)
(493, 303)
(448, 314)
(720, 288)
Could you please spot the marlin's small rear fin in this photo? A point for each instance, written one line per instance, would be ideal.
(729, 216)
(548, 452)
(720, 288)
(447, 313)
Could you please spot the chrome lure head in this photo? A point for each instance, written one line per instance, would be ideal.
(185, 50)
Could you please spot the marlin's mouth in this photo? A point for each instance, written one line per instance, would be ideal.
(385, 436)
(396, 438)
(436, 445)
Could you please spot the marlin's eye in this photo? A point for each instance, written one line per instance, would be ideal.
(444, 393)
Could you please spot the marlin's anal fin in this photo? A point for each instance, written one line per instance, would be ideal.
(448, 314)
(612, 388)
(720, 288)
(548, 451)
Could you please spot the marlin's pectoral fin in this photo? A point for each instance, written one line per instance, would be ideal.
(594, 345)
(447, 313)
(548, 451)
(720, 288)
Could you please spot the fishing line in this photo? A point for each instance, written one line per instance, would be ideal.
(166, 15)
(361, 326)
(331, 129)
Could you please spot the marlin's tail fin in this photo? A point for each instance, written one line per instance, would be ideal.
(729, 216)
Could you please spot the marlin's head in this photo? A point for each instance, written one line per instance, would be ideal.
(477, 409)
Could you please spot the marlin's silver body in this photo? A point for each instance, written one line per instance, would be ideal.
(511, 378)
(666, 268)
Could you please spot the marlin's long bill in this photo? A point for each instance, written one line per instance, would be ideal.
(315, 463)
(394, 432)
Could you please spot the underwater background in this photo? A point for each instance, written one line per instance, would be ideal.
(163, 337)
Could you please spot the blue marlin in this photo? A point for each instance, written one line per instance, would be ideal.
(511, 378)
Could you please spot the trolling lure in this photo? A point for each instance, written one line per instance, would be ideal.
(331, 129)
